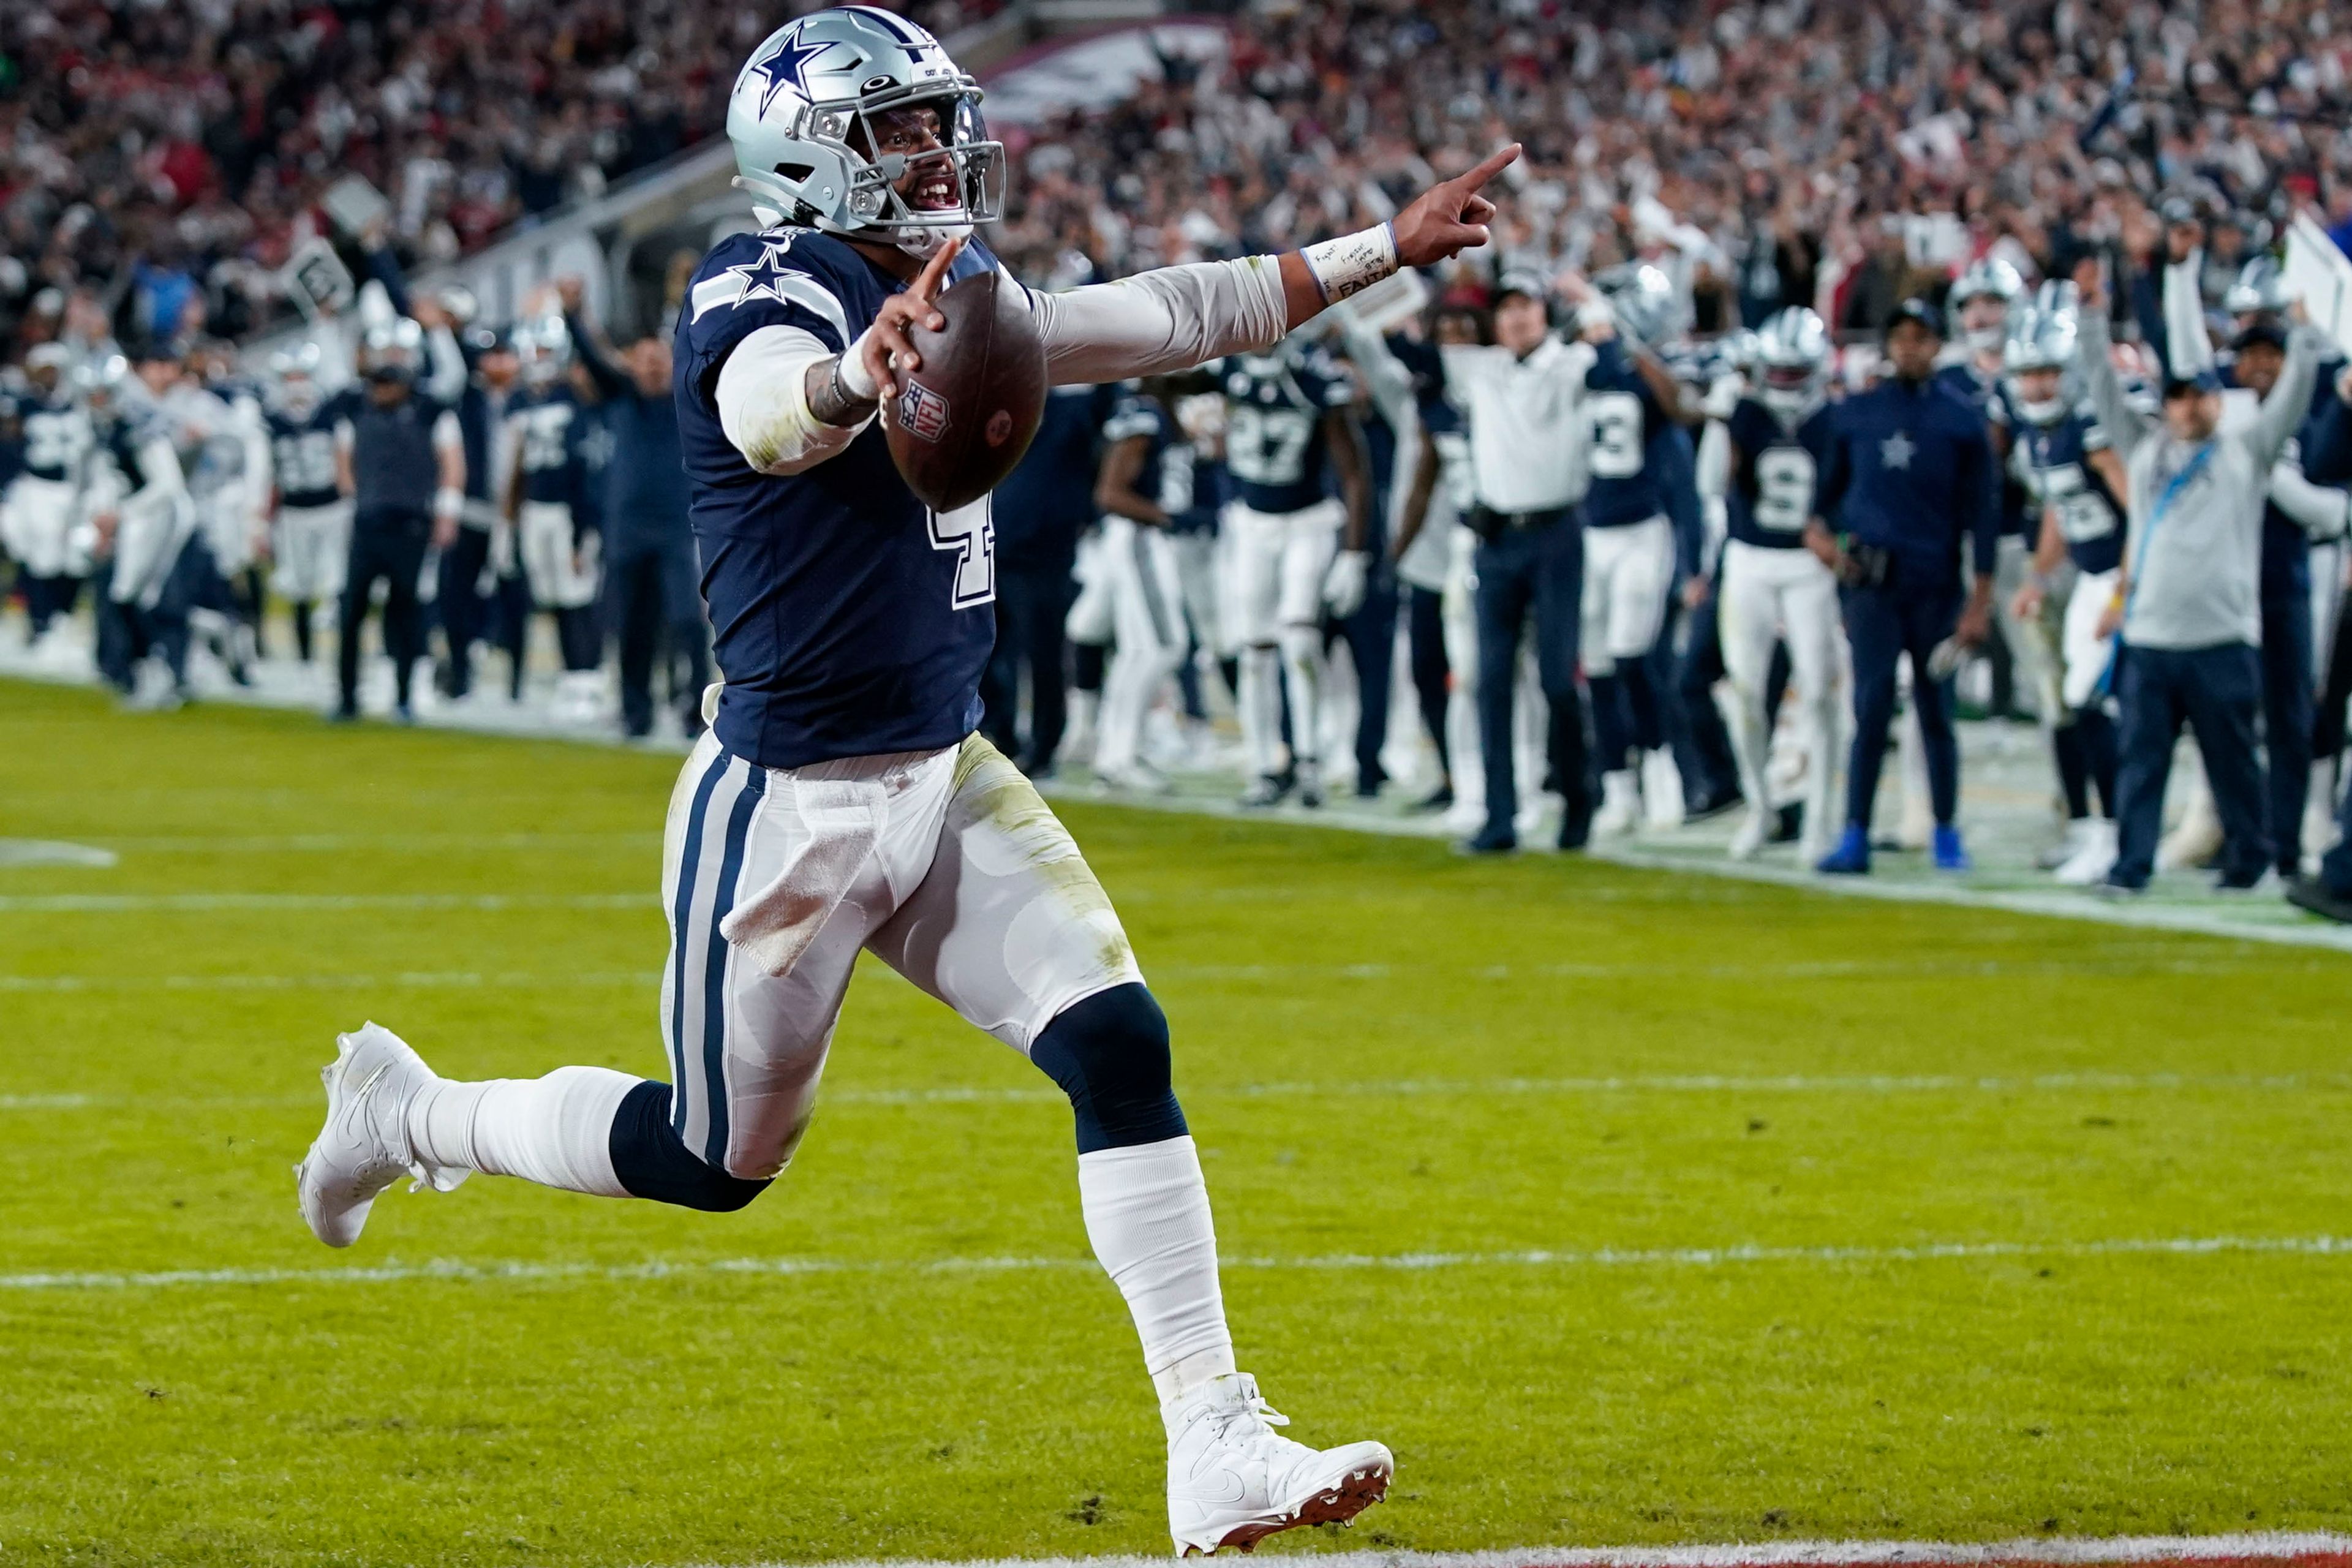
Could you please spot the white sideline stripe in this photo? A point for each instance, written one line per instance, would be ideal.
(458, 1270)
(52, 852)
(332, 842)
(1417, 1088)
(2262, 1545)
(197, 904)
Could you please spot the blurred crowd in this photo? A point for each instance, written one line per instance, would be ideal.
(165, 161)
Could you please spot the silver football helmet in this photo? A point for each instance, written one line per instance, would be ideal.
(1643, 300)
(392, 350)
(802, 120)
(2041, 340)
(1993, 279)
(543, 344)
(1793, 362)
(294, 380)
(2259, 289)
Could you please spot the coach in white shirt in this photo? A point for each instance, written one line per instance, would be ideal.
(1523, 395)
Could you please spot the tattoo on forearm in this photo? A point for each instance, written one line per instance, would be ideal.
(829, 400)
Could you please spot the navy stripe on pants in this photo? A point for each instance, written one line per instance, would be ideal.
(2218, 692)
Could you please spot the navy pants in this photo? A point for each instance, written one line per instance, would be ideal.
(2289, 709)
(2335, 866)
(1432, 675)
(1702, 745)
(1033, 601)
(457, 599)
(390, 547)
(1539, 572)
(656, 614)
(1883, 625)
(2218, 692)
(1370, 634)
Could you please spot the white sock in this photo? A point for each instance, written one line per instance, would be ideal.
(556, 1131)
(1146, 1213)
(1259, 701)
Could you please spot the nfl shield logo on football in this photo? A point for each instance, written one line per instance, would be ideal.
(923, 412)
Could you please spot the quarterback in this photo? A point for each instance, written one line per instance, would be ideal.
(841, 800)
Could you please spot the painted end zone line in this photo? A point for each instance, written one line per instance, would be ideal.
(2313, 1549)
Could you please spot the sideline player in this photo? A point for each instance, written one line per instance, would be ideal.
(546, 497)
(1143, 488)
(314, 516)
(1298, 550)
(842, 800)
(1773, 587)
(41, 513)
(2075, 479)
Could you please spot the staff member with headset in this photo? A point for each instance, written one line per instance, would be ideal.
(1910, 475)
(2190, 606)
(1528, 443)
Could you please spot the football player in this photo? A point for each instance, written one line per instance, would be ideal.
(842, 802)
(41, 515)
(139, 504)
(1145, 492)
(546, 507)
(1773, 588)
(1631, 542)
(314, 515)
(2075, 480)
(1299, 553)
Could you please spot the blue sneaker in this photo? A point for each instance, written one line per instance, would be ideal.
(1951, 854)
(1851, 856)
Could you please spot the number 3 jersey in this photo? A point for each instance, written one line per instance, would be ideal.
(1275, 403)
(1775, 469)
(2053, 462)
(1629, 473)
(849, 619)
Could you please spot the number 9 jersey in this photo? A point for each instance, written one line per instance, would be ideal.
(1275, 406)
(849, 619)
(1776, 471)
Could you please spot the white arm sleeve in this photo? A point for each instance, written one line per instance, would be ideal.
(2185, 342)
(764, 403)
(1170, 319)
(1714, 464)
(448, 363)
(449, 435)
(2319, 509)
(160, 474)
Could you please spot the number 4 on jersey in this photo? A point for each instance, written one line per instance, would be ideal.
(971, 533)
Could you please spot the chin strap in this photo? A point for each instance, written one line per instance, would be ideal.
(926, 242)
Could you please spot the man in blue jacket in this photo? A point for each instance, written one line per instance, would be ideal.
(1911, 474)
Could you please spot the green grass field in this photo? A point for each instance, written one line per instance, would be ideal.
(1384, 1050)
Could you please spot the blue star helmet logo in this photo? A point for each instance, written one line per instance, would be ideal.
(785, 67)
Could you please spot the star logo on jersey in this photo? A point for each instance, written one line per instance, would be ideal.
(1894, 452)
(786, 68)
(764, 277)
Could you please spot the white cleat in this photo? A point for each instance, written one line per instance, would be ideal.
(1755, 828)
(1621, 804)
(2094, 853)
(1233, 1481)
(364, 1147)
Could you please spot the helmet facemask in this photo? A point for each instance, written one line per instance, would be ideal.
(959, 182)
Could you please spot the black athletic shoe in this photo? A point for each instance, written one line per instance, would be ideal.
(1439, 799)
(1488, 842)
(2311, 893)
(1789, 824)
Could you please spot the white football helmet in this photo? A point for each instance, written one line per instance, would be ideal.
(294, 380)
(1989, 278)
(543, 343)
(801, 118)
(2042, 340)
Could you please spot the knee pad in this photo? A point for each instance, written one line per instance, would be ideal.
(652, 1162)
(1109, 1053)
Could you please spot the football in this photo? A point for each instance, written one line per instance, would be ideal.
(962, 422)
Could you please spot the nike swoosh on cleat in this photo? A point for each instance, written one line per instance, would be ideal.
(1230, 1488)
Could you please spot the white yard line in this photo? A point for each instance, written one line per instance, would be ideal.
(2264, 1546)
(213, 904)
(517, 1270)
(52, 852)
(1791, 1084)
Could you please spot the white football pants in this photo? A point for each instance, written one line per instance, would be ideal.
(1138, 564)
(1776, 595)
(2087, 654)
(314, 547)
(38, 521)
(563, 572)
(1279, 563)
(1627, 572)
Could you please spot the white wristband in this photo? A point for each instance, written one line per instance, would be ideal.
(1352, 263)
(852, 374)
(448, 502)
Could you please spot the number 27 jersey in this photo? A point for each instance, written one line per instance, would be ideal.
(1275, 406)
(1776, 471)
(848, 618)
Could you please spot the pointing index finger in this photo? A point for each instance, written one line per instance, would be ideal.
(1495, 163)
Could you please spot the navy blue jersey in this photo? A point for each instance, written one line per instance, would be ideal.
(56, 433)
(2054, 464)
(1274, 404)
(1911, 471)
(849, 619)
(1170, 475)
(591, 442)
(302, 452)
(12, 440)
(547, 445)
(1775, 474)
(1630, 468)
